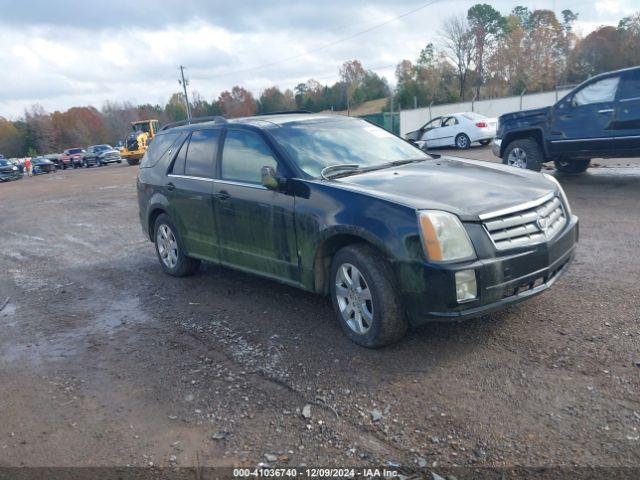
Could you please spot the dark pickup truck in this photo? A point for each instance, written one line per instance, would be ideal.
(600, 118)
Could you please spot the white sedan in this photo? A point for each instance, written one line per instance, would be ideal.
(458, 129)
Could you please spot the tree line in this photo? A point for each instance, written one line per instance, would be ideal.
(483, 54)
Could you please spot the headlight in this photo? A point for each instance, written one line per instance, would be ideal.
(14, 168)
(443, 237)
(561, 190)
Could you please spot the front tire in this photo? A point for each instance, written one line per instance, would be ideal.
(132, 162)
(462, 141)
(364, 297)
(170, 249)
(524, 153)
(572, 166)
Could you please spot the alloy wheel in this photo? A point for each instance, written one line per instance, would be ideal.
(167, 246)
(462, 142)
(354, 298)
(517, 158)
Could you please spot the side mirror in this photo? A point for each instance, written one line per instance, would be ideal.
(269, 178)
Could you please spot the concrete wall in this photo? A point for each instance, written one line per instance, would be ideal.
(411, 120)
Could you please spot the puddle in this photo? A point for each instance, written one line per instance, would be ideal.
(8, 311)
(115, 317)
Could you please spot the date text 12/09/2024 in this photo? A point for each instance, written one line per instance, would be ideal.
(315, 472)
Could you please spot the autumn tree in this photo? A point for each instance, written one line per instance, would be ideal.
(274, 100)
(12, 142)
(238, 102)
(545, 48)
(487, 26)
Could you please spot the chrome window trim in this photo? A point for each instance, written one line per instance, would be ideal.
(517, 208)
(216, 180)
(240, 184)
(204, 179)
(629, 99)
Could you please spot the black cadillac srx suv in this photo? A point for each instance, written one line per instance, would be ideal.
(598, 119)
(340, 207)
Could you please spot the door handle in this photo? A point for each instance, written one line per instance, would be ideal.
(223, 195)
(606, 110)
(170, 186)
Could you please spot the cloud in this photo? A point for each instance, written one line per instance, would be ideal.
(71, 52)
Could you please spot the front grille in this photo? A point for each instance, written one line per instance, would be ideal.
(527, 227)
(112, 156)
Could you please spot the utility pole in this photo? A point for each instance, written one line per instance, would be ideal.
(184, 84)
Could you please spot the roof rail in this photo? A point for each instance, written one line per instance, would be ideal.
(214, 119)
(281, 112)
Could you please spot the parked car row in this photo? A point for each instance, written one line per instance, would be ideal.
(93, 156)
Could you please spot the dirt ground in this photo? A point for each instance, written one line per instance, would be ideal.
(105, 360)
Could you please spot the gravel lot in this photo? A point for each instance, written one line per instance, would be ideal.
(104, 360)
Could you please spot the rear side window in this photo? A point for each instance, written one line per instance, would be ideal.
(181, 159)
(203, 148)
(244, 155)
(160, 146)
(630, 88)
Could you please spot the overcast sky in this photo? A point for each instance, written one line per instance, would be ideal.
(81, 52)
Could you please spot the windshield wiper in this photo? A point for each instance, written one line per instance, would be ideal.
(402, 162)
(352, 168)
(339, 166)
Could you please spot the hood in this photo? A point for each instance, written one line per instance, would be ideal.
(466, 188)
(525, 114)
(106, 152)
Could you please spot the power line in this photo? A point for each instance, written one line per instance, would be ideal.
(330, 44)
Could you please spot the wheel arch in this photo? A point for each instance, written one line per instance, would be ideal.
(331, 243)
(534, 133)
(154, 213)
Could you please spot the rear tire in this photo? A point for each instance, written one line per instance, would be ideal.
(170, 249)
(572, 166)
(364, 297)
(524, 153)
(462, 141)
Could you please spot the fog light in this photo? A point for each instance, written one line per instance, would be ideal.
(466, 287)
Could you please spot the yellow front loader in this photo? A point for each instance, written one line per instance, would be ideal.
(138, 141)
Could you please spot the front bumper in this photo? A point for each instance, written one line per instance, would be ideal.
(132, 154)
(502, 280)
(8, 176)
(495, 146)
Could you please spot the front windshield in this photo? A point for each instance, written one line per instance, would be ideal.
(75, 150)
(3, 162)
(101, 148)
(141, 127)
(318, 143)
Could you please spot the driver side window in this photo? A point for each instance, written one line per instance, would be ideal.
(243, 157)
(435, 123)
(449, 122)
(601, 91)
